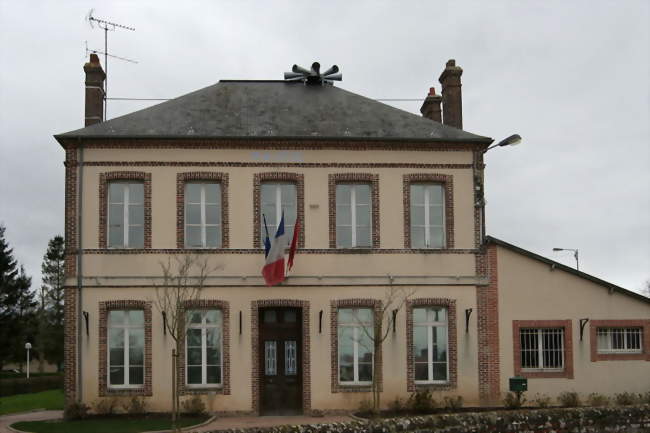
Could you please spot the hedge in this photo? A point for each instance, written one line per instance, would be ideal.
(33, 384)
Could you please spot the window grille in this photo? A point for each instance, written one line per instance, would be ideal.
(542, 349)
(620, 340)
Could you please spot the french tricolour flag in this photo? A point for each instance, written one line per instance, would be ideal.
(273, 270)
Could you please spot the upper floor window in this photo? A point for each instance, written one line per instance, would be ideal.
(204, 348)
(355, 346)
(430, 345)
(278, 197)
(542, 349)
(620, 340)
(353, 215)
(427, 211)
(203, 215)
(126, 348)
(126, 215)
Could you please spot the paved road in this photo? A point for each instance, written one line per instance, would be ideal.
(7, 420)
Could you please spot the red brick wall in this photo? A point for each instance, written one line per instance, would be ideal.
(487, 303)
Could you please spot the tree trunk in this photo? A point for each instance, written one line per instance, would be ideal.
(174, 420)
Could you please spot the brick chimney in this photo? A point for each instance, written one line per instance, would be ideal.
(452, 100)
(95, 77)
(431, 106)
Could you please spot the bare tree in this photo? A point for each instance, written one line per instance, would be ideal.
(385, 313)
(645, 290)
(183, 279)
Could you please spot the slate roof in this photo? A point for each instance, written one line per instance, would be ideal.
(274, 109)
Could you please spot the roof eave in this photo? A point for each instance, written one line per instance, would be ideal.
(557, 265)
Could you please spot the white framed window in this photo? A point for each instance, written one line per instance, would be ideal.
(542, 349)
(355, 346)
(203, 215)
(430, 345)
(126, 348)
(277, 197)
(620, 340)
(203, 348)
(126, 215)
(427, 215)
(353, 215)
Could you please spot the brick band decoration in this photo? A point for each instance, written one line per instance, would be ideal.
(487, 320)
(70, 344)
(71, 246)
(104, 308)
(368, 178)
(644, 324)
(334, 341)
(299, 251)
(452, 346)
(295, 178)
(448, 185)
(201, 176)
(207, 304)
(104, 179)
(567, 372)
(306, 349)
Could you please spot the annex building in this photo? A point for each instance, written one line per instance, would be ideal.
(387, 202)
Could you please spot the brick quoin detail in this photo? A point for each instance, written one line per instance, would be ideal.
(104, 180)
(71, 246)
(206, 304)
(567, 373)
(70, 344)
(334, 342)
(367, 178)
(295, 178)
(104, 308)
(448, 187)
(487, 305)
(306, 349)
(452, 348)
(633, 323)
(201, 176)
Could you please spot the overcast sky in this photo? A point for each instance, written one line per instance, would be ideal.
(570, 76)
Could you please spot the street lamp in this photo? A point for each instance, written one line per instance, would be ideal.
(513, 140)
(28, 346)
(575, 254)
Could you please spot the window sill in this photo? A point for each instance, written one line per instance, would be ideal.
(543, 374)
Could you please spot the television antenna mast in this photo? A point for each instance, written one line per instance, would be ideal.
(106, 26)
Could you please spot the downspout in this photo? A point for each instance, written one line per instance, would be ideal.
(79, 269)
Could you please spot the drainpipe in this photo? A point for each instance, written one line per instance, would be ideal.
(79, 269)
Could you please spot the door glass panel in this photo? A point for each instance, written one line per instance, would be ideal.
(270, 358)
(290, 358)
(290, 316)
(270, 316)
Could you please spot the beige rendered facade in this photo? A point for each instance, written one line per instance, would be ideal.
(476, 287)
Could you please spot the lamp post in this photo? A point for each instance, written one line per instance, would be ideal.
(575, 254)
(28, 346)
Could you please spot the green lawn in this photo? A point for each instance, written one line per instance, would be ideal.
(105, 425)
(52, 399)
(11, 375)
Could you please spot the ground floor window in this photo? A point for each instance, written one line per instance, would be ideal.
(430, 345)
(542, 349)
(204, 348)
(126, 348)
(355, 346)
(620, 340)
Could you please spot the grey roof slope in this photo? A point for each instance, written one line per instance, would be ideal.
(274, 109)
(606, 284)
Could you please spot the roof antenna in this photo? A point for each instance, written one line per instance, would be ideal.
(314, 75)
(106, 26)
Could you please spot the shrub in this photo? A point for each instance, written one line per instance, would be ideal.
(194, 406)
(645, 398)
(396, 405)
(422, 402)
(596, 399)
(626, 399)
(135, 406)
(104, 406)
(366, 407)
(514, 401)
(569, 399)
(453, 402)
(75, 410)
(542, 400)
(33, 384)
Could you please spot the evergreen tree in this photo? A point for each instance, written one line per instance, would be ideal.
(8, 296)
(51, 321)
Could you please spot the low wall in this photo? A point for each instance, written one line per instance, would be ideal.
(628, 419)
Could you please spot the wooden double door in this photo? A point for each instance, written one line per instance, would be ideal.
(280, 361)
